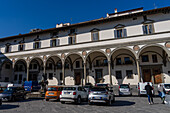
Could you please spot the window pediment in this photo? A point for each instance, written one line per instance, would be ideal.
(94, 30)
(148, 21)
(119, 26)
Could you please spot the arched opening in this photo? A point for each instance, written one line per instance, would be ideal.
(97, 63)
(74, 74)
(20, 72)
(6, 73)
(36, 67)
(123, 66)
(153, 63)
(54, 70)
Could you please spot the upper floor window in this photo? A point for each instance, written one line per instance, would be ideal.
(118, 61)
(148, 29)
(120, 31)
(154, 58)
(145, 58)
(8, 48)
(72, 39)
(21, 47)
(55, 42)
(36, 45)
(127, 60)
(95, 34)
(7, 66)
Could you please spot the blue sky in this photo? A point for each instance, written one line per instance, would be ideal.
(19, 16)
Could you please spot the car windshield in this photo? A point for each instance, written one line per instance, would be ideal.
(98, 89)
(52, 89)
(124, 86)
(167, 86)
(69, 88)
(9, 89)
(102, 84)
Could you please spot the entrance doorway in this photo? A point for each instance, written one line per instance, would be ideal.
(146, 75)
(77, 78)
(99, 75)
(152, 74)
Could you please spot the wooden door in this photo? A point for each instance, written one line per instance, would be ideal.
(99, 75)
(77, 78)
(157, 75)
(146, 75)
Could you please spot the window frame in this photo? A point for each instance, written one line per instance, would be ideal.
(92, 35)
(144, 56)
(146, 28)
(116, 72)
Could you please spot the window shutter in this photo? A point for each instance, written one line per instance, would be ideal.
(23, 46)
(57, 42)
(39, 44)
(10, 48)
(150, 29)
(19, 47)
(124, 33)
(74, 39)
(51, 43)
(144, 30)
(69, 40)
(34, 45)
(115, 33)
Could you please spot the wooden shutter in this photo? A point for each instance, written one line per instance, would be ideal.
(150, 28)
(115, 33)
(39, 44)
(144, 30)
(124, 33)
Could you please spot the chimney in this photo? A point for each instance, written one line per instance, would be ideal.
(115, 10)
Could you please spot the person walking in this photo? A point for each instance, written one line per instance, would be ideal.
(149, 89)
(161, 93)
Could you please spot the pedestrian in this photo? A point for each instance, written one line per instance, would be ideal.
(161, 93)
(149, 89)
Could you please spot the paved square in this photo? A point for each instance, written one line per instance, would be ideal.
(122, 105)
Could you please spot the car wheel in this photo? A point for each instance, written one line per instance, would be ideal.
(63, 102)
(47, 99)
(79, 100)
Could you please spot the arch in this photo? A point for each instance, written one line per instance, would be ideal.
(23, 61)
(35, 58)
(93, 51)
(53, 56)
(125, 48)
(154, 45)
(5, 61)
(73, 53)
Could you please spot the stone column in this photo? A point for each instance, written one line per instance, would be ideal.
(109, 70)
(138, 70)
(85, 76)
(27, 73)
(63, 73)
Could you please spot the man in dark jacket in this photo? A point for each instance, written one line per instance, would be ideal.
(149, 89)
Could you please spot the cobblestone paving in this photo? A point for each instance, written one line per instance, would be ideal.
(121, 105)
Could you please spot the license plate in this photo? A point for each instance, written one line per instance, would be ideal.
(66, 92)
(51, 93)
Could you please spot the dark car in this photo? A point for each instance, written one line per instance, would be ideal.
(13, 93)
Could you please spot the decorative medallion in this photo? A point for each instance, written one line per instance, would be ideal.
(136, 48)
(44, 57)
(28, 59)
(62, 55)
(108, 50)
(13, 60)
(84, 53)
(167, 44)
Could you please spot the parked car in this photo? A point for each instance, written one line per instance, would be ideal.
(13, 93)
(53, 92)
(101, 95)
(0, 101)
(2, 89)
(124, 89)
(141, 88)
(166, 89)
(73, 94)
(31, 86)
(87, 87)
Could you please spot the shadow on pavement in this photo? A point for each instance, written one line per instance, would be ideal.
(8, 106)
(122, 103)
(26, 100)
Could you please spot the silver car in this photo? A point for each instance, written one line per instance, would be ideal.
(101, 95)
(124, 89)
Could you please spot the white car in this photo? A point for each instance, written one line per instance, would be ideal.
(73, 94)
(124, 89)
(141, 88)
